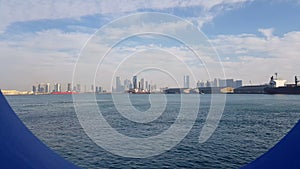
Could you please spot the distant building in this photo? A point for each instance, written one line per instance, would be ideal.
(142, 84)
(57, 87)
(69, 87)
(222, 83)
(200, 84)
(186, 81)
(41, 88)
(127, 84)
(135, 82)
(215, 83)
(98, 89)
(146, 86)
(229, 83)
(208, 84)
(78, 88)
(47, 88)
(238, 83)
(118, 84)
(34, 89)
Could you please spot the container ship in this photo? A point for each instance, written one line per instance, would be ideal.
(279, 87)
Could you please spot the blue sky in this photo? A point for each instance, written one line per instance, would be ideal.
(280, 15)
(41, 41)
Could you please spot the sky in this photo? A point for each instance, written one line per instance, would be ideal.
(64, 41)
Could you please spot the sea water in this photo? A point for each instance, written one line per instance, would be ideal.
(250, 125)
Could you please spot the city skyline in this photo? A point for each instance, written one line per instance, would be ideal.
(252, 46)
(137, 83)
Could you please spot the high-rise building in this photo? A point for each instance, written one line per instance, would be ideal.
(57, 87)
(99, 89)
(41, 88)
(127, 84)
(34, 89)
(186, 81)
(118, 84)
(238, 83)
(135, 82)
(69, 87)
(229, 83)
(146, 86)
(208, 84)
(216, 83)
(222, 83)
(142, 84)
(200, 84)
(47, 88)
(78, 88)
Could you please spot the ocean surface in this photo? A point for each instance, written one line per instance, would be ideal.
(250, 125)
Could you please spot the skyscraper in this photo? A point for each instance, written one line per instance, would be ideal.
(34, 89)
(186, 81)
(146, 86)
(69, 88)
(127, 84)
(238, 83)
(229, 83)
(142, 84)
(118, 84)
(216, 83)
(135, 83)
(78, 88)
(200, 84)
(47, 88)
(57, 87)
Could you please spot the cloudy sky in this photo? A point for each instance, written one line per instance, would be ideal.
(41, 41)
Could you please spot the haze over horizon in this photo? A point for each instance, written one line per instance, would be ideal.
(40, 41)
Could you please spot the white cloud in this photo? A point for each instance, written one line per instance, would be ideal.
(268, 33)
(46, 56)
(21, 11)
(256, 58)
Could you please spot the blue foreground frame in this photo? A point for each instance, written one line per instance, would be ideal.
(284, 155)
(20, 149)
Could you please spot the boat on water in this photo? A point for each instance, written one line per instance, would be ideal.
(277, 86)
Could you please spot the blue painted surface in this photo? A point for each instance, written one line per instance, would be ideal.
(285, 154)
(20, 149)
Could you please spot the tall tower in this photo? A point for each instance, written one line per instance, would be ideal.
(78, 88)
(47, 88)
(69, 87)
(142, 84)
(57, 87)
(118, 84)
(134, 81)
(186, 81)
(146, 85)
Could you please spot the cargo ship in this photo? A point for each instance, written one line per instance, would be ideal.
(279, 87)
